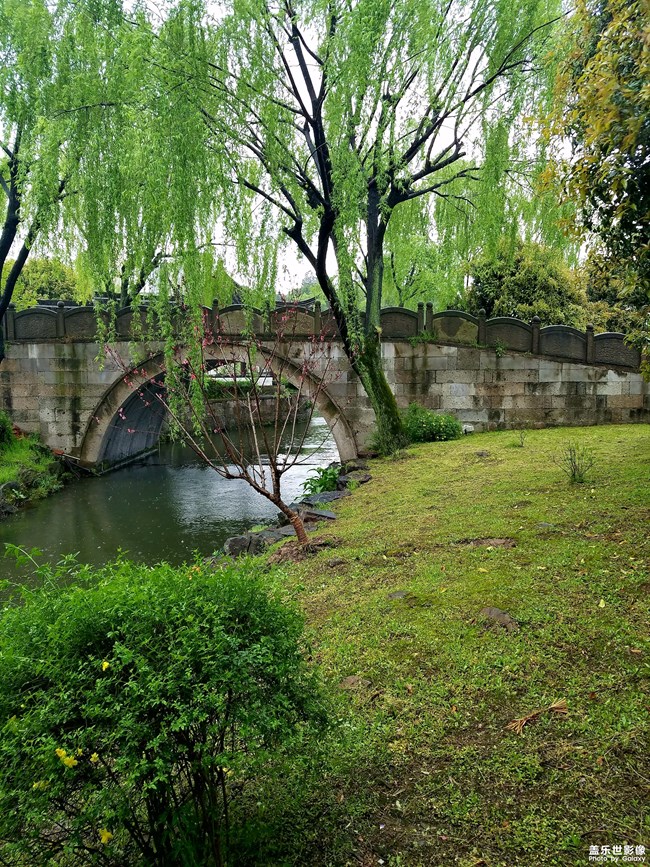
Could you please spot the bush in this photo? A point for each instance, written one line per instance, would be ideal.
(138, 703)
(218, 389)
(424, 426)
(575, 461)
(6, 431)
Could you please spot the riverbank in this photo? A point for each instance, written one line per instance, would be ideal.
(28, 471)
(472, 737)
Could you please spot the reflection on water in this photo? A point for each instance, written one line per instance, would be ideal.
(165, 508)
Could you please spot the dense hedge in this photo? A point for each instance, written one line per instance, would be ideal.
(137, 704)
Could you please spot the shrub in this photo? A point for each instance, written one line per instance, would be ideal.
(138, 702)
(6, 431)
(424, 426)
(576, 461)
(324, 480)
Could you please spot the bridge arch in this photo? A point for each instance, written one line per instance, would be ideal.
(129, 419)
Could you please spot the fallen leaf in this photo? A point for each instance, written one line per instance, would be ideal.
(601, 604)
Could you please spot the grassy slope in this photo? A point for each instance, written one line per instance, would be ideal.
(26, 455)
(429, 757)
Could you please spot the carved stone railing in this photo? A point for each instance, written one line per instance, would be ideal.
(70, 323)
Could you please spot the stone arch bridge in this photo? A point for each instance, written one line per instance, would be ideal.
(490, 373)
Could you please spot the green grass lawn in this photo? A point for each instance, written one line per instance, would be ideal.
(428, 773)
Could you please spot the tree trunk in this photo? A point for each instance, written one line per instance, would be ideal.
(296, 522)
(364, 353)
(369, 368)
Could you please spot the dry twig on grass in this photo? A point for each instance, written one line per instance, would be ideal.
(517, 725)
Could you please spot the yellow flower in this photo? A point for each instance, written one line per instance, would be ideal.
(105, 665)
(94, 758)
(40, 784)
(80, 752)
(105, 835)
(61, 753)
(69, 762)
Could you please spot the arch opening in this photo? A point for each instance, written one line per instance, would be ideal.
(128, 421)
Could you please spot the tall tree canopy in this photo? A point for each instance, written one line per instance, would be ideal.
(326, 118)
(61, 82)
(528, 281)
(603, 108)
(87, 165)
(43, 279)
(316, 124)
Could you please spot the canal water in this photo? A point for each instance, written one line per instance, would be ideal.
(166, 507)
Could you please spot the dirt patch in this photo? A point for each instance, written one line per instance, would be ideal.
(294, 552)
(488, 543)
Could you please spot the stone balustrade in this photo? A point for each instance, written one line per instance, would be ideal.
(504, 333)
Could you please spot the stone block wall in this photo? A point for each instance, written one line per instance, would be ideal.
(495, 390)
(53, 389)
(57, 388)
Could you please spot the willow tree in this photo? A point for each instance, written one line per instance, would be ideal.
(88, 168)
(327, 116)
(65, 86)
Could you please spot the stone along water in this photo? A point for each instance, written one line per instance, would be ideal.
(165, 508)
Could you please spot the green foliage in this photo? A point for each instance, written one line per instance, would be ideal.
(6, 431)
(424, 426)
(386, 443)
(304, 124)
(616, 299)
(32, 467)
(139, 702)
(218, 389)
(325, 479)
(603, 111)
(43, 278)
(526, 280)
(416, 268)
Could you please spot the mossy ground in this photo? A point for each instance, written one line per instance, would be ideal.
(427, 773)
